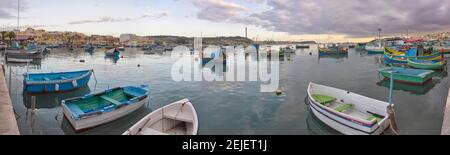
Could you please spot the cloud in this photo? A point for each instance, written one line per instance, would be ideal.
(114, 20)
(218, 10)
(348, 17)
(8, 8)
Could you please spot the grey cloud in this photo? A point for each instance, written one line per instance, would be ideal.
(8, 8)
(350, 17)
(113, 20)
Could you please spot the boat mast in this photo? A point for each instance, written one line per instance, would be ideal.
(18, 15)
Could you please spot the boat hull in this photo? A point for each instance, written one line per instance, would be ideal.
(87, 123)
(347, 123)
(343, 125)
(172, 115)
(432, 66)
(57, 86)
(412, 79)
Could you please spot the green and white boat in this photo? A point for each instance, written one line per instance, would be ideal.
(427, 64)
(407, 75)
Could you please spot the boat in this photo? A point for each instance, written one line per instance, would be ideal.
(287, 50)
(347, 112)
(394, 56)
(427, 64)
(333, 49)
(178, 118)
(300, 46)
(23, 55)
(55, 82)
(112, 52)
(51, 100)
(360, 46)
(96, 109)
(121, 48)
(407, 75)
(375, 47)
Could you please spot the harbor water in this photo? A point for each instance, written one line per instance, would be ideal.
(230, 108)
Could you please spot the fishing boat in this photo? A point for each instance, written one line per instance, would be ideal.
(332, 49)
(375, 47)
(23, 55)
(347, 112)
(394, 56)
(112, 52)
(427, 64)
(96, 109)
(55, 82)
(178, 118)
(407, 75)
(121, 48)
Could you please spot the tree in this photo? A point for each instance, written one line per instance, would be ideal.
(11, 35)
(3, 35)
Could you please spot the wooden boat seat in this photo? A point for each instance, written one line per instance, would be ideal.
(180, 116)
(63, 77)
(323, 99)
(344, 107)
(150, 131)
(117, 103)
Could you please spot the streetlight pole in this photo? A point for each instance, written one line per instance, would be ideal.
(18, 14)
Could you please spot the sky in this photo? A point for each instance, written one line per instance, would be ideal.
(291, 20)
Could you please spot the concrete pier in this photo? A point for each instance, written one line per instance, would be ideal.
(446, 123)
(8, 123)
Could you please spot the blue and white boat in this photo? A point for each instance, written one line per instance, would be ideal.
(56, 82)
(96, 109)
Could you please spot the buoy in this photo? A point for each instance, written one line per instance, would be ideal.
(139, 65)
(279, 92)
(310, 53)
(121, 57)
(82, 60)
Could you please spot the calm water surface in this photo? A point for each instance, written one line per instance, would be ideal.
(229, 107)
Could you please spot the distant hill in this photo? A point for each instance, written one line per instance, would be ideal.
(237, 40)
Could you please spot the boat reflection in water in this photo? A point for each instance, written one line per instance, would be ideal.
(52, 100)
(413, 89)
(317, 127)
(113, 59)
(338, 57)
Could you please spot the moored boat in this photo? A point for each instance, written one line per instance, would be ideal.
(178, 118)
(347, 112)
(375, 47)
(334, 49)
(56, 82)
(407, 75)
(394, 56)
(23, 55)
(100, 108)
(427, 64)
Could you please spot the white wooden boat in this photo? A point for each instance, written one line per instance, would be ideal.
(178, 118)
(96, 109)
(347, 112)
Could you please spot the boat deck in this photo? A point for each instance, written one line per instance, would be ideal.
(352, 111)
